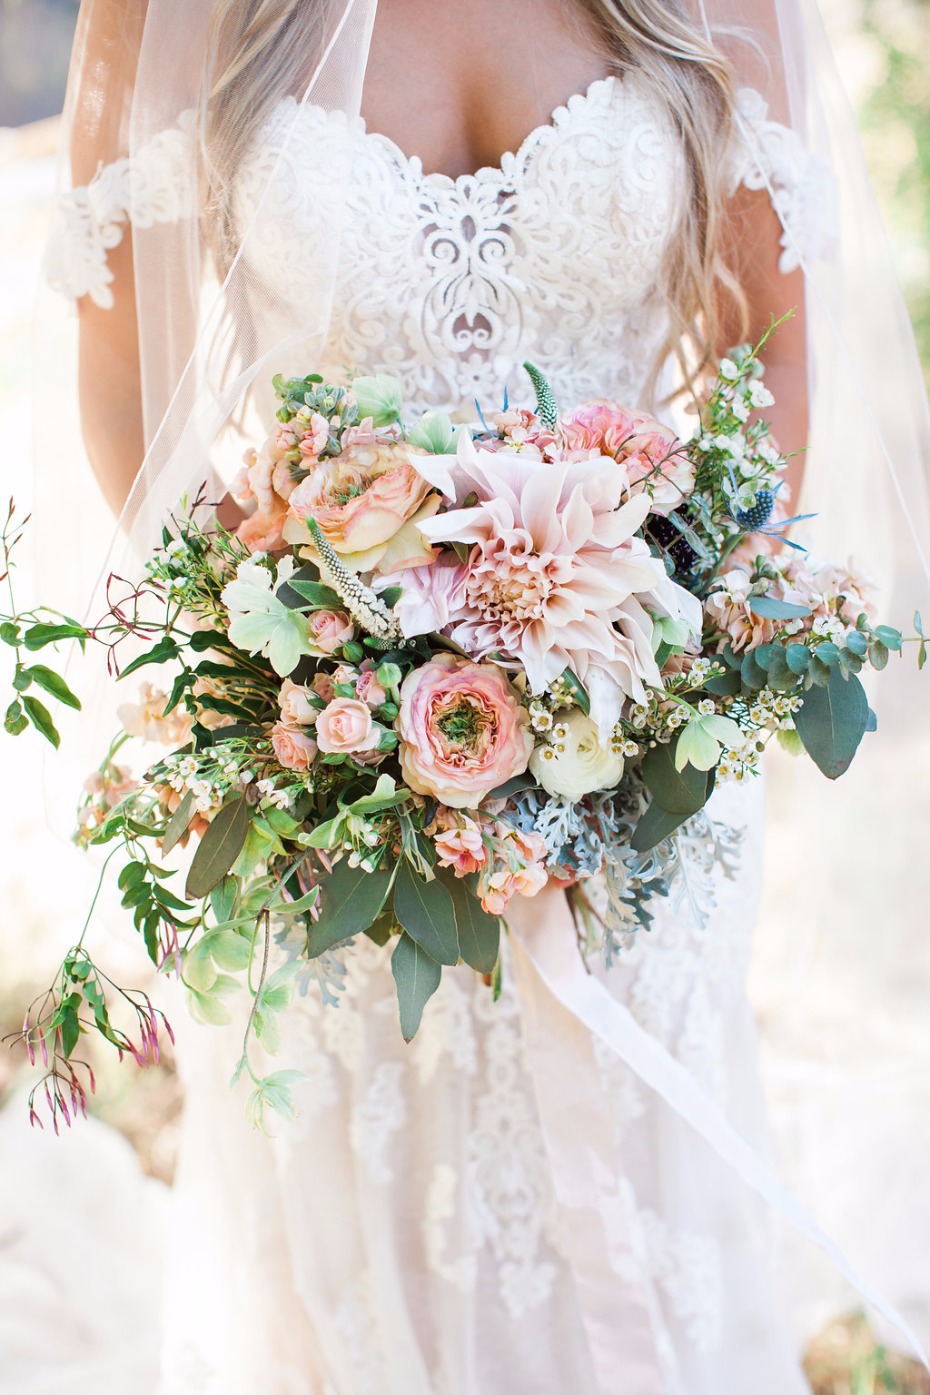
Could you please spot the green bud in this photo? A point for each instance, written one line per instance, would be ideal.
(378, 398)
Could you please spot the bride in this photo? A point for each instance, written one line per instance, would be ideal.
(616, 190)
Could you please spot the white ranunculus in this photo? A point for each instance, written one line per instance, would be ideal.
(582, 766)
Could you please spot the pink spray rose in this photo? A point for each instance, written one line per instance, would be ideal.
(368, 689)
(344, 727)
(329, 631)
(462, 731)
(646, 448)
(293, 746)
(296, 708)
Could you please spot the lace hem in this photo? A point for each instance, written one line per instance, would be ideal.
(153, 187)
(800, 184)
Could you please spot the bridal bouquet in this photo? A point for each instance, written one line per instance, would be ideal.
(436, 668)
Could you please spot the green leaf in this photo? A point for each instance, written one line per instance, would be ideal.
(37, 636)
(160, 653)
(391, 595)
(878, 654)
(219, 847)
(579, 691)
(655, 825)
(676, 791)
(53, 684)
(319, 596)
(223, 899)
(9, 633)
(890, 637)
(417, 977)
(426, 912)
(479, 933)
(726, 684)
(179, 823)
(15, 720)
(857, 642)
(70, 1030)
(831, 723)
(22, 679)
(131, 876)
(41, 719)
(771, 609)
(752, 673)
(351, 899)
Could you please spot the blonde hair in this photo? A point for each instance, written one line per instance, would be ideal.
(261, 48)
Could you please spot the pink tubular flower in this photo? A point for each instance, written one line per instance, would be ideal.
(344, 727)
(462, 849)
(293, 746)
(329, 631)
(462, 731)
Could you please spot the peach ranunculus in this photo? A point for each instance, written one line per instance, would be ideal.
(329, 631)
(296, 708)
(462, 731)
(345, 728)
(649, 452)
(263, 532)
(363, 501)
(462, 848)
(294, 747)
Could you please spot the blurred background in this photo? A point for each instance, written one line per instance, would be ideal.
(883, 50)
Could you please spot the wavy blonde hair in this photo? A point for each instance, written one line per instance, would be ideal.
(261, 48)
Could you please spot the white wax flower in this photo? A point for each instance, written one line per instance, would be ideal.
(578, 764)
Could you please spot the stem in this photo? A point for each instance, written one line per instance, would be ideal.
(109, 857)
(257, 994)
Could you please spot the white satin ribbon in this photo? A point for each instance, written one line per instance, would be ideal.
(545, 954)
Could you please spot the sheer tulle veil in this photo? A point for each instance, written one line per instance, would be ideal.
(844, 988)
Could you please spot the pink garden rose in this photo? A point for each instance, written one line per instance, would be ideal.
(646, 449)
(293, 746)
(360, 499)
(263, 532)
(344, 727)
(462, 731)
(329, 631)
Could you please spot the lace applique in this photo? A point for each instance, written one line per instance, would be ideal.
(686, 1266)
(154, 186)
(441, 1205)
(377, 1118)
(801, 185)
(450, 284)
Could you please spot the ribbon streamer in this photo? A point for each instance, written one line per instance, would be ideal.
(545, 949)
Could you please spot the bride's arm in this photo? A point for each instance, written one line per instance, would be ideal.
(751, 249)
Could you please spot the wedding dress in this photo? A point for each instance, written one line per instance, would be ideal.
(415, 1231)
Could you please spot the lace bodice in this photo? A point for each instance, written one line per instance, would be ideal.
(556, 254)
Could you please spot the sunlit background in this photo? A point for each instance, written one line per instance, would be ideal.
(883, 47)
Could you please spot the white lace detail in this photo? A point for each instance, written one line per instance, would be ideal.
(686, 1266)
(803, 192)
(155, 187)
(556, 254)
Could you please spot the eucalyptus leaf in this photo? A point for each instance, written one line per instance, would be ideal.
(655, 825)
(676, 791)
(479, 932)
(771, 609)
(417, 977)
(178, 824)
(832, 721)
(426, 911)
(219, 847)
(351, 899)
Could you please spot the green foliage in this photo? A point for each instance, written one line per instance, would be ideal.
(352, 900)
(417, 977)
(426, 911)
(219, 847)
(832, 721)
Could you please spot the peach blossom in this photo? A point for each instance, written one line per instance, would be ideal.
(294, 747)
(462, 730)
(500, 888)
(462, 849)
(344, 727)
